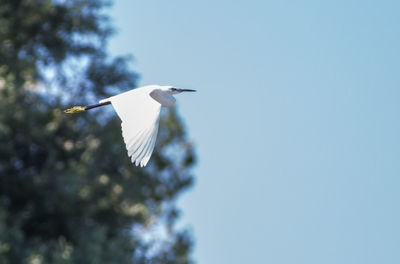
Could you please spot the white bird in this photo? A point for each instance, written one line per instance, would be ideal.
(139, 110)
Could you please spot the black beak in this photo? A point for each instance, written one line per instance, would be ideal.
(186, 90)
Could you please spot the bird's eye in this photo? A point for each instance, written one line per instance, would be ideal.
(173, 89)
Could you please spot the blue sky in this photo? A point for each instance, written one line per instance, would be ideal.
(296, 123)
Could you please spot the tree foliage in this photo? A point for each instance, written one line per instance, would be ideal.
(68, 192)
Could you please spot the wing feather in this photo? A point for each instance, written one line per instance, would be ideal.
(151, 147)
(136, 140)
(148, 148)
(140, 116)
(142, 142)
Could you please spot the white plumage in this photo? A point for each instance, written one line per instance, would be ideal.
(139, 110)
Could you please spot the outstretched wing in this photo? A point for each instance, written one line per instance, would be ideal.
(140, 116)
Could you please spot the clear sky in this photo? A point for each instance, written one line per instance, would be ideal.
(296, 123)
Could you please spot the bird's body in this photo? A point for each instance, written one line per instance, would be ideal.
(139, 110)
(158, 93)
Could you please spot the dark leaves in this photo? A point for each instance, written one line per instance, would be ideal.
(68, 192)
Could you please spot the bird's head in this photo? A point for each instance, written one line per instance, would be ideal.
(174, 90)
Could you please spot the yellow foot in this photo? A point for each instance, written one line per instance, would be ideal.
(75, 109)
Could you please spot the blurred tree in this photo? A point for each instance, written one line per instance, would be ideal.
(68, 192)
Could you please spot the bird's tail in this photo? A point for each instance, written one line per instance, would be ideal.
(104, 100)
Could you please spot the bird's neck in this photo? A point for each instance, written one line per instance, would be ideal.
(165, 98)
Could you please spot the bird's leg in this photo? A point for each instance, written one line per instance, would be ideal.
(96, 105)
(77, 109)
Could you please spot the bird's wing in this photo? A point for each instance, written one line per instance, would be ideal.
(140, 116)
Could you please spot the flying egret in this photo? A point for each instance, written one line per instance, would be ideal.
(139, 111)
